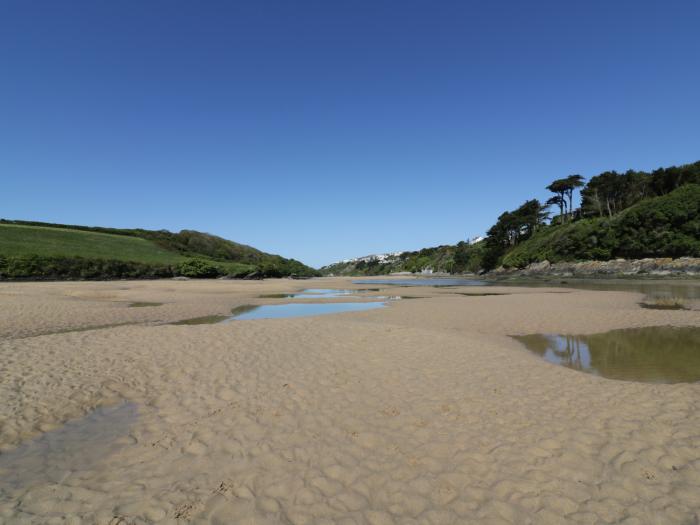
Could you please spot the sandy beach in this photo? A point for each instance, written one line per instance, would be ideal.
(425, 411)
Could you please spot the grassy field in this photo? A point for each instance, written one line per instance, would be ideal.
(36, 240)
(59, 251)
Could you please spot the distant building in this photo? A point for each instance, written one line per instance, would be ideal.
(381, 257)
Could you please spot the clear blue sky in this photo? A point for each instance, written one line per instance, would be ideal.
(323, 130)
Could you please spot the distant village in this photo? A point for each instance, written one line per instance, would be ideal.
(392, 256)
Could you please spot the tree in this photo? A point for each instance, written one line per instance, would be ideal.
(572, 182)
(610, 192)
(529, 217)
(559, 187)
(665, 180)
(564, 194)
(557, 200)
(512, 228)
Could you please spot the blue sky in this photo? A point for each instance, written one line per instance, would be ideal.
(325, 130)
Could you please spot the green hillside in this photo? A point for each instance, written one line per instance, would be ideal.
(458, 258)
(629, 215)
(665, 226)
(41, 250)
(38, 240)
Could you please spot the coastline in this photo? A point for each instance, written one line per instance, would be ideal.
(666, 267)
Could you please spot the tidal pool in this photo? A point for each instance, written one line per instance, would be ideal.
(652, 289)
(77, 446)
(318, 293)
(655, 354)
(278, 311)
(437, 281)
(205, 319)
(311, 293)
(143, 304)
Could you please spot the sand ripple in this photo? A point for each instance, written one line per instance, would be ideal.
(424, 412)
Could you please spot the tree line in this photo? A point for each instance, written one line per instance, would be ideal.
(604, 195)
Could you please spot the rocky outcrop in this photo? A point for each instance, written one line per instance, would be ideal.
(618, 267)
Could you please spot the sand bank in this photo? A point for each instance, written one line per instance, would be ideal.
(422, 412)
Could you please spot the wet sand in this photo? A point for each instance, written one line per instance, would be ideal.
(422, 412)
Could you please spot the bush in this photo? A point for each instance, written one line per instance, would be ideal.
(199, 269)
(49, 268)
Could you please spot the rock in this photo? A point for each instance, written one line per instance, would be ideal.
(181, 278)
(538, 268)
(254, 276)
(617, 267)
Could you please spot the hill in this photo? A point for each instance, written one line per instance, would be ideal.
(35, 250)
(664, 226)
(459, 258)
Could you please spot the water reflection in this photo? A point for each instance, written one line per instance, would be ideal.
(278, 311)
(658, 354)
(651, 289)
(318, 293)
(437, 281)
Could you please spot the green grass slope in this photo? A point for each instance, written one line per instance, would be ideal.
(43, 241)
(47, 251)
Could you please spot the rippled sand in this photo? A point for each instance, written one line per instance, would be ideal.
(422, 412)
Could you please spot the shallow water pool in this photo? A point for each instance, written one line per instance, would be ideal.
(278, 311)
(652, 289)
(318, 293)
(437, 281)
(655, 354)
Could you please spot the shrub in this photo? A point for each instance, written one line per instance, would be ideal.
(198, 268)
(55, 267)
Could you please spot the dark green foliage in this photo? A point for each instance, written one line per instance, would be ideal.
(633, 215)
(512, 228)
(609, 227)
(54, 268)
(563, 190)
(189, 242)
(666, 226)
(610, 192)
(588, 239)
(468, 257)
(665, 180)
(199, 268)
(459, 258)
(276, 266)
